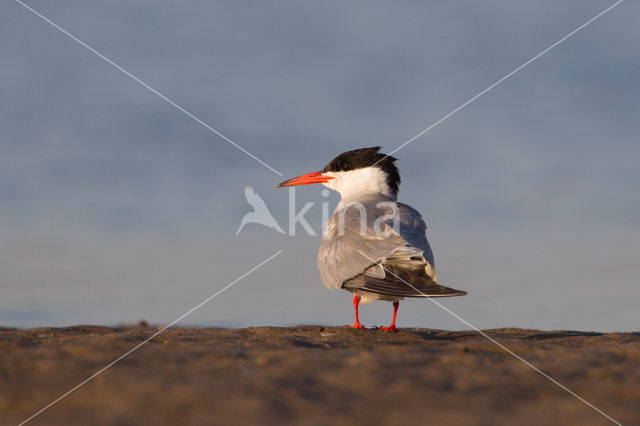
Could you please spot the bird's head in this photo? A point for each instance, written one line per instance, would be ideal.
(356, 173)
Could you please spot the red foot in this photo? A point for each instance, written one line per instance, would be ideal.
(356, 302)
(392, 327)
(356, 325)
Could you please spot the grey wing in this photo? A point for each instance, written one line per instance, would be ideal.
(414, 231)
(397, 261)
(349, 244)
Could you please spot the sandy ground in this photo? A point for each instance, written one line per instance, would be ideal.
(314, 375)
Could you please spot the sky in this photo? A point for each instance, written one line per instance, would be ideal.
(116, 206)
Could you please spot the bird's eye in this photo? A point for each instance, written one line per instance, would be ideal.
(346, 166)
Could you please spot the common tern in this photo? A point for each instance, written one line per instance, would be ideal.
(374, 246)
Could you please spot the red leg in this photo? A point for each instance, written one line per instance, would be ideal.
(392, 327)
(356, 302)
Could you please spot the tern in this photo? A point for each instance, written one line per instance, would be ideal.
(373, 246)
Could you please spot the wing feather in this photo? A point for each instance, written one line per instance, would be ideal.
(354, 256)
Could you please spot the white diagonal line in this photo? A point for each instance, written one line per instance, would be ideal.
(498, 343)
(146, 340)
(422, 132)
(128, 74)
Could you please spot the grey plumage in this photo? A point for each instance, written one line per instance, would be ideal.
(362, 252)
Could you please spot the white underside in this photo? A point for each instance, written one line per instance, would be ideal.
(368, 297)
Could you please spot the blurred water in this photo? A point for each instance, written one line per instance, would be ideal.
(115, 206)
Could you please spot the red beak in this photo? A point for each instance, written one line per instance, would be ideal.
(315, 177)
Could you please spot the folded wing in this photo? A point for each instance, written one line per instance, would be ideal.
(382, 248)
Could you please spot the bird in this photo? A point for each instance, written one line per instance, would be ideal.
(373, 246)
(260, 213)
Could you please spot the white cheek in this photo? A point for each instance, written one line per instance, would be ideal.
(333, 183)
(358, 182)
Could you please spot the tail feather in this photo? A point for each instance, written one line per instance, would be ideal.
(399, 281)
(416, 288)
